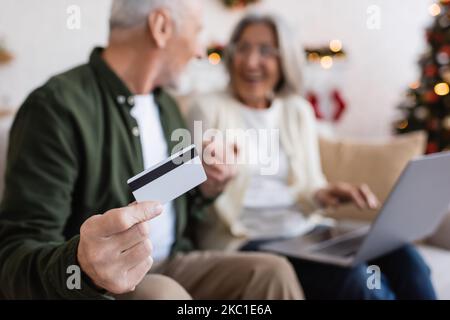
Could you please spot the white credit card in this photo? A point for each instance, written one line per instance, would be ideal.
(170, 178)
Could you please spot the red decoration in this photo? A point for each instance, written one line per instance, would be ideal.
(432, 147)
(436, 38)
(312, 98)
(430, 97)
(446, 49)
(339, 105)
(433, 124)
(430, 70)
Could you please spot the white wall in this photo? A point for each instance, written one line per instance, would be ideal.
(380, 65)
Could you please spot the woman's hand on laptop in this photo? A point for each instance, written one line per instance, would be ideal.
(339, 193)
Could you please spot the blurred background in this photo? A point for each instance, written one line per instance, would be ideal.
(356, 92)
(373, 69)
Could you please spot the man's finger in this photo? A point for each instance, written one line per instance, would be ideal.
(138, 272)
(135, 255)
(129, 238)
(122, 219)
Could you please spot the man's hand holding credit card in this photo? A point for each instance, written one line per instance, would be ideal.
(169, 179)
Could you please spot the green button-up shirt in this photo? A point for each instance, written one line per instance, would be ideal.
(72, 148)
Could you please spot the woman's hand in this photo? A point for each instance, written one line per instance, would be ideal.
(338, 193)
(220, 167)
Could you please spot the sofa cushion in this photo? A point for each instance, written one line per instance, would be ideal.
(378, 164)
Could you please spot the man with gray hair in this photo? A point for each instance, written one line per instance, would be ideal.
(73, 145)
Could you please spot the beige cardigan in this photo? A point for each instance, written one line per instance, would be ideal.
(298, 138)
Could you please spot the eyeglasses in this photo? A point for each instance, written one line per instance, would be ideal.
(264, 51)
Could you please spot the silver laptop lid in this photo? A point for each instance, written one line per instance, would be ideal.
(414, 208)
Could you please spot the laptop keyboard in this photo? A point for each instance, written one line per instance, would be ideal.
(344, 248)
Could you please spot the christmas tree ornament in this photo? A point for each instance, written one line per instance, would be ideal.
(430, 97)
(444, 72)
(446, 49)
(430, 109)
(441, 89)
(410, 101)
(436, 38)
(421, 113)
(430, 70)
(432, 147)
(414, 85)
(446, 123)
(402, 124)
(434, 9)
(442, 58)
(433, 125)
(446, 102)
(444, 21)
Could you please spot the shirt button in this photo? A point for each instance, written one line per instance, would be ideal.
(121, 99)
(130, 100)
(135, 131)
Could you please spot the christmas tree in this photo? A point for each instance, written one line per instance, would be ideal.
(427, 106)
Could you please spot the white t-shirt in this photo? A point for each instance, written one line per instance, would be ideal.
(154, 150)
(269, 206)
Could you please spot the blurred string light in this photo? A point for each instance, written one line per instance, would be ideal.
(402, 124)
(446, 123)
(326, 62)
(215, 53)
(326, 56)
(5, 55)
(434, 9)
(335, 45)
(214, 58)
(441, 89)
(415, 85)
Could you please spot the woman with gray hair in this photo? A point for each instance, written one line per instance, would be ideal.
(264, 95)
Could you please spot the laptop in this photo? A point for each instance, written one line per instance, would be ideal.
(413, 210)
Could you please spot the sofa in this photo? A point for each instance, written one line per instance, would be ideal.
(378, 163)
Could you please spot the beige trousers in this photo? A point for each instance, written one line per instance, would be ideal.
(218, 275)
